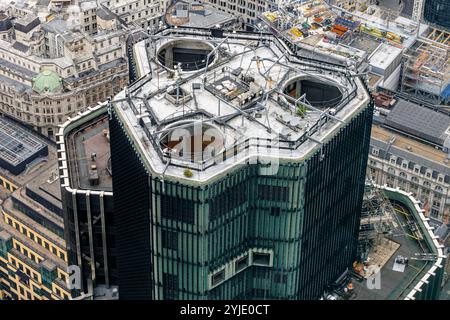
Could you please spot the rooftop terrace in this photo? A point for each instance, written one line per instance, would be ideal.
(196, 15)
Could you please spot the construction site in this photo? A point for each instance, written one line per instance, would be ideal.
(396, 51)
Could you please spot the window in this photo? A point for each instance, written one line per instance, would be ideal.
(218, 277)
(228, 200)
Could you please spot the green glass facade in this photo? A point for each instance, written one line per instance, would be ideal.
(244, 235)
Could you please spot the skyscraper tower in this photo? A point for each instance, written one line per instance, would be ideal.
(238, 169)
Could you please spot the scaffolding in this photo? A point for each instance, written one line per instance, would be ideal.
(426, 72)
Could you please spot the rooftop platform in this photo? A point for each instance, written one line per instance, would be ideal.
(255, 97)
(19, 147)
(90, 138)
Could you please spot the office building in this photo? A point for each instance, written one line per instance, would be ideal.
(248, 10)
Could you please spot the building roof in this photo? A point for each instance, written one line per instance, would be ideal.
(47, 81)
(419, 121)
(88, 5)
(56, 26)
(384, 55)
(409, 149)
(229, 98)
(196, 15)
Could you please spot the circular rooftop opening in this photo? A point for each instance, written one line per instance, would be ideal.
(319, 94)
(189, 55)
(192, 141)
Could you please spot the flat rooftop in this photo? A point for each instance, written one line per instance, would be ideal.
(346, 31)
(18, 147)
(196, 14)
(90, 138)
(245, 98)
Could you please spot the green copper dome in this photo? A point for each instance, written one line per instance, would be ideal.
(47, 81)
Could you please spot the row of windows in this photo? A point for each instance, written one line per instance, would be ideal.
(177, 209)
(26, 252)
(27, 293)
(405, 176)
(34, 257)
